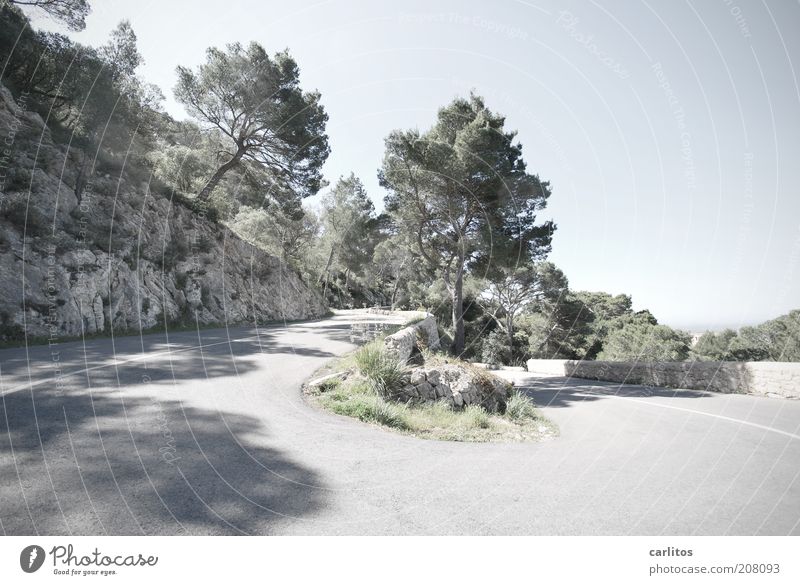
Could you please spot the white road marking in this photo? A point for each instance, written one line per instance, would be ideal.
(693, 411)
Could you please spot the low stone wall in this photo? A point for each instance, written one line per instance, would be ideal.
(405, 342)
(457, 385)
(764, 378)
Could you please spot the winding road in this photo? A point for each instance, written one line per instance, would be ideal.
(207, 433)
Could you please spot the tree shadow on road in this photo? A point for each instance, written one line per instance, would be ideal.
(559, 392)
(101, 463)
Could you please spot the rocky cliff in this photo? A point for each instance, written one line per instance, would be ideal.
(83, 253)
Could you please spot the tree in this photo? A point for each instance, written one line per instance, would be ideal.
(713, 346)
(347, 218)
(512, 289)
(455, 186)
(776, 340)
(280, 232)
(263, 117)
(642, 340)
(602, 313)
(72, 13)
(558, 330)
(121, 53)
(393, 266)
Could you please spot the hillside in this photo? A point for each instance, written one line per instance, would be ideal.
(111, 252)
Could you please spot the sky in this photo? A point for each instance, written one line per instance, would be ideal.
(669, 131)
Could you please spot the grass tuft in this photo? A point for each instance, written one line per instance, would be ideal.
(373, 376)
(384, 371)
(520, 408)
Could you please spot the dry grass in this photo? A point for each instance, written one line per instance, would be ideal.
(361, 396)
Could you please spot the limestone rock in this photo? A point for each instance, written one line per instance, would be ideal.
(121, 256)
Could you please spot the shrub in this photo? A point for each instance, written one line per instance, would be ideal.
(385, 373)
(203, 209)
(495, 350)
(520, 408)
(180, 280)
(175, 251)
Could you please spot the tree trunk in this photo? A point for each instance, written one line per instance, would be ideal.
(394, 292)
(510, 337)
(323, 277)
(458, 314)
(206, 191)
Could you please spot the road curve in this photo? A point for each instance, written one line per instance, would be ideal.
(207, 433)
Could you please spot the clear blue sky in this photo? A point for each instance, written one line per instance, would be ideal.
(670, 131)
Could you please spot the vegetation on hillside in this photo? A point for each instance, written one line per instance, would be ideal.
(462, 235)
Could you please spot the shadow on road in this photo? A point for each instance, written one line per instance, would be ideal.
(79, 464)
(175, 357)
(561, 392)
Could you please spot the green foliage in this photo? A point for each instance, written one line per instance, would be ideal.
(356, 398)
(385, 373)
(776, 340)
(201, 208)
(459, 187)
(175, 251)
(183, 168)
(181, 278)
(72, 13)
(476, 417)
(508, 291)
(84, 98)
(713, 346)
(286, 236)
(121, 53)
(345, 248)
(521, 408)
(359, 401)
(494, 349)
(261, 115)
(558, 330)
(641, 340)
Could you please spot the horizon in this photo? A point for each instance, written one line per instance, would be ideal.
(664, 162)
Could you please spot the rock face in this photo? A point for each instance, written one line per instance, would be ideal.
(406, 342)
(115, 254)
(457, 385)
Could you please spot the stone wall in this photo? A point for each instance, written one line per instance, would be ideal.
(764, 378)
(457, 385)
(404, 343)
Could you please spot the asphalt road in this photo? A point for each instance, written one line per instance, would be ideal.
(207, 433)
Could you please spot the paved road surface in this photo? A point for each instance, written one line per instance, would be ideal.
(208, 434)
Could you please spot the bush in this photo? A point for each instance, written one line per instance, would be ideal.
(520, 408)
(175, 251)
(197, 207)
(385, 373)
(181, 279)
(495, 350)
